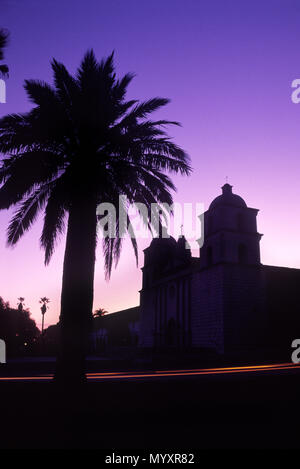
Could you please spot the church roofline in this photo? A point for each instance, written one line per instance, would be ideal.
(283, 267)
(219, 207)
(228, 230)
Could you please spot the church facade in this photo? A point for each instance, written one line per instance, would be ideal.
(225, 300)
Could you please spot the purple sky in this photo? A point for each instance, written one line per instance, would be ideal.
(226, 65)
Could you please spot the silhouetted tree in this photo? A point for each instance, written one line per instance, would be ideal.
(83, 144)
(100, 312)
(44, 302)
(51, 339)
(17, 329)
(21, 303)
(3, 43)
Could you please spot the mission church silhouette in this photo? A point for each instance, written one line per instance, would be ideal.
(224, 301)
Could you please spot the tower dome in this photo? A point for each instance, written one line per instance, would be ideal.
(228, 198)
(230, 231)
(161, 249)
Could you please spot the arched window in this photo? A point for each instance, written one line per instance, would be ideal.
(209, 255)
(242, 254)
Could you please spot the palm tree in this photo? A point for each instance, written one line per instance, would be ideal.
(3, 44)
(82, 144)
(44, 302)
(21, 303)
(100, 312)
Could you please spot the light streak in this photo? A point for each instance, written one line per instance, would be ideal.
(165, 373)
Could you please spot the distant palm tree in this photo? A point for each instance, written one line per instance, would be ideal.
(3, 43)
(100, 312)
(21, 303)
(44, 302)
(82, 144)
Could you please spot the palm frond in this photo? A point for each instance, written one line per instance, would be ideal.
(66, 86)
(88, 67)
(4, 70)
(140, 111)
(4, 35)
(40, 93)
(24, 172)
(120, 88)
(54, 221)
(26, 214)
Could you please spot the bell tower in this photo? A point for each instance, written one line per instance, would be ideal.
(230, 232)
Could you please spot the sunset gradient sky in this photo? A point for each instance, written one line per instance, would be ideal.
(226, 65)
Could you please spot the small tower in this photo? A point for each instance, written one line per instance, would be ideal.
(230, 232)
(228, 315)
(164, 293)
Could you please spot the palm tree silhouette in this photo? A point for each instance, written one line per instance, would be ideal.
(44, 301)
(21, 303)
(98, 313)
(82, 144)
(3, 44)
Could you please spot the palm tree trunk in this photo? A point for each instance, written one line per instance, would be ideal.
(77, 292)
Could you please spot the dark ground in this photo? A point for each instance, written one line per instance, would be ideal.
(255, 410)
